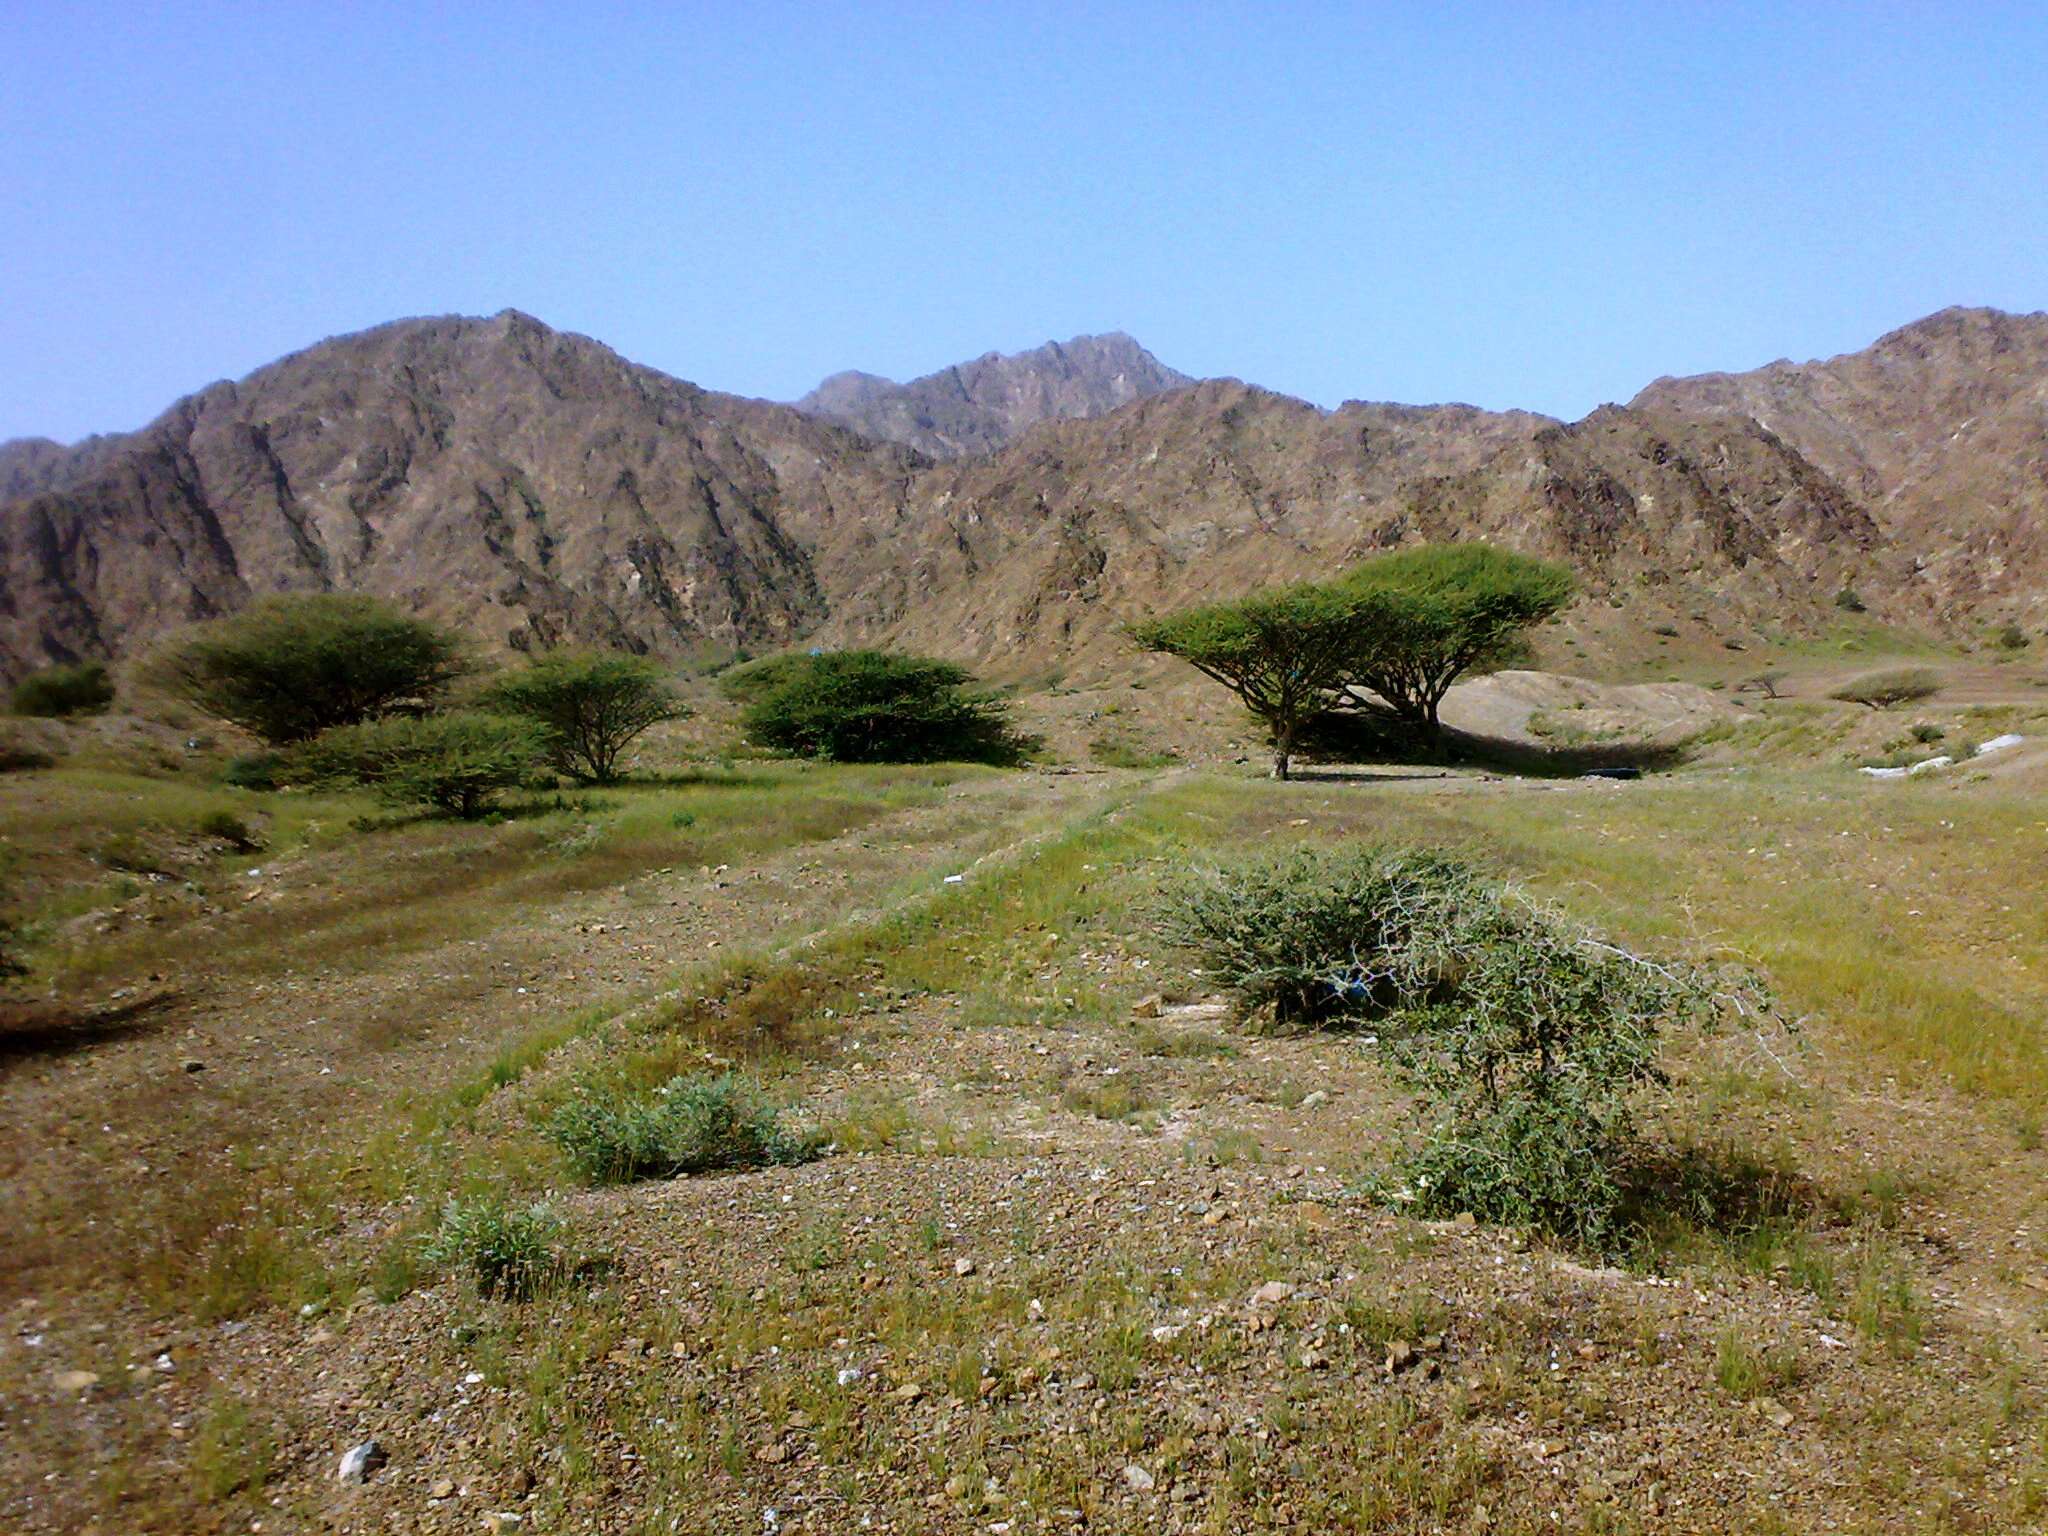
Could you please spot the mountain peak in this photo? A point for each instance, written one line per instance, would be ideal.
(987, 402)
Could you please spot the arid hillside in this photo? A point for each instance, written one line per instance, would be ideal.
(534, 486)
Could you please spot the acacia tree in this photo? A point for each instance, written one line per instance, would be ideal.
(1284, 653)
(591, 707)
(1387, 638)
(1443, 611)
(288, 668)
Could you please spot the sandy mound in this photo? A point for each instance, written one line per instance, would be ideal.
(1544, 706)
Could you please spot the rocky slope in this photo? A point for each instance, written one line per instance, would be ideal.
(983, 405)
(531, 486)
(535, 487)
(1940, 429)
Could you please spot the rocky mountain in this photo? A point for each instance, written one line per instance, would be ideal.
(983, 405)
(528, 485)
(535, 487)
(1940, 428)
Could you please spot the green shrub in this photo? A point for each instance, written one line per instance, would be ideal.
(83, 689)
(260, 770)
(457, 764)
(1885, 690)
(1848, 601)
(2010, 637)
(1927, 734)
(1525, 1039)
(590, 707)
(872, 707)
(698, 1124)
(230, 829)
(516, 1254)
(1284, 934)
(288, 668)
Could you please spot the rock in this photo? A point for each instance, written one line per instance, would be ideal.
(848, 1375)
(1272, 1293)
(1148, 1007)
(1137, 1479)
(77, 1381)
(1775, 1411)
(194, 1064)
(1315, 1360)
(1466, 1220)
(962, 1268)
(1400, 1355)
(499, 1521)
(444, 1489)
(909, 1392)
(1315, 1100)
(772, 1454)
(359, 1461)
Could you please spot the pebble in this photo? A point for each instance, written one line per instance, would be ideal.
(962, 1268)
(1272, 1293)
(77, 1381)
(1137, 1479)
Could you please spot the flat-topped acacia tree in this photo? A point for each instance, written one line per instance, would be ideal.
(1388, 637)
(1285, 653)
(1445, 610)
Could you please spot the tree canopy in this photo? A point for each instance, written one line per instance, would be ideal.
(288, 668)
(871, 707)
(1442, 611)
(591, 706)
(1389, 637)
(1284, 653)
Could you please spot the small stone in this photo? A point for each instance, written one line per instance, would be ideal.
(1148, 1007)
(1545, 1449)
(848, 1375)
(1138, 1480)
(194, 1064)
(1315, 1360)
(909, 1392)
(499, 1521)
(1432, 1344)
(1465, 1219)
(1272, 1293)
(1775, 1411)
(772, 1454)
(77, 1381)
(359, 1461)
(1400, 1355)
(1315, 1100)
(444, 1489)
(1215, 1216)
(962, 1268)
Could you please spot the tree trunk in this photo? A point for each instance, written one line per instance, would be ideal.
(1280, 764)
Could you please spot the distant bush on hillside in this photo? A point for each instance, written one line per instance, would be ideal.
(2010, 637)
(1848, 601)
(591, 707)
(516, 1254)
(456, 763)
(698, 1124)
(872, 707)
(1525, 1038)
(1886, 690)
(288, 668)
(56, 692)
(1765, 683)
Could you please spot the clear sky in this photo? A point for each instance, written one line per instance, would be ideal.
(1513, 204)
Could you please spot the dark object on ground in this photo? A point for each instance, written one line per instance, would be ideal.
(1612, 773)
(55, 692)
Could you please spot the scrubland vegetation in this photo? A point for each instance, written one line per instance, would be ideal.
(1140, 1148)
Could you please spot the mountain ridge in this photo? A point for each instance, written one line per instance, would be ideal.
(539, 488)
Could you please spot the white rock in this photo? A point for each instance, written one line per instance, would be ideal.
(359, 1462)
(1137, 1479)
(1999, 744)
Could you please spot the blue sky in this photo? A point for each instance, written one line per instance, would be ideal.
(1528, 204)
